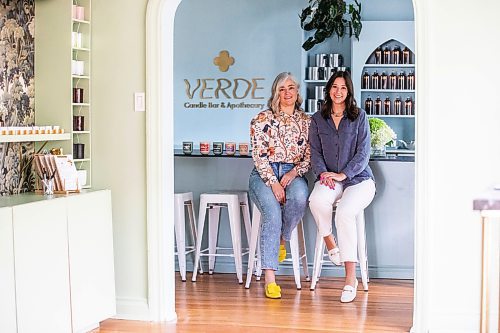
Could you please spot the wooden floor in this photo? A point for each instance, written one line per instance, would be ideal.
(217, 303)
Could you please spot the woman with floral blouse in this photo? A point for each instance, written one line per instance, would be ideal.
(281, 154)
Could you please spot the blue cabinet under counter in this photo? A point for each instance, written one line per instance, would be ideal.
(389, 218)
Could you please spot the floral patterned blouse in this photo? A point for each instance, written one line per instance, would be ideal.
(282, 138)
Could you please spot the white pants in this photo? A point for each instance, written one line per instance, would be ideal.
(354, 199)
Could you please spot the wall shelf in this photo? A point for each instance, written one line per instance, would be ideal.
(388, 90)
(389, 116)
(34, 137)
(389, 65)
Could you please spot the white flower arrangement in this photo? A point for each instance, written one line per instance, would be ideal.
(380, 133)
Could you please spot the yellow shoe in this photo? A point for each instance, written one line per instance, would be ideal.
(282, 253)
(273, 290)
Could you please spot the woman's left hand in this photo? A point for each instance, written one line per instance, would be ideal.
(338, 176)
(288, 177)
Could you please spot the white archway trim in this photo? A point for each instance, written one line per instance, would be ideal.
(422, 226)
(160, 164)
(159, 158)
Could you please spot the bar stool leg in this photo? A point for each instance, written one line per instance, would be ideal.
(363, 258)
(254, 239)
(246, 219)
(180, 235)
(318, 258)
(192, 225)
(233, 207)
(201, 223)
(294, 249)
(213, 227)
(302, 250)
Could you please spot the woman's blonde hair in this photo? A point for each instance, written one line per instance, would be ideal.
(274, 101)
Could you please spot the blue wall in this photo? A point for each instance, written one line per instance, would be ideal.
(265, 38)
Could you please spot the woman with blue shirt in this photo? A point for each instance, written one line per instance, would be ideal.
(339, 137)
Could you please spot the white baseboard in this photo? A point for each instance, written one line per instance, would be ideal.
(132, 309)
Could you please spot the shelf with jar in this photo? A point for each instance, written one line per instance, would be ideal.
(320, 68)
(390, 96)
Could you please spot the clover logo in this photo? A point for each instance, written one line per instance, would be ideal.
(223, 61)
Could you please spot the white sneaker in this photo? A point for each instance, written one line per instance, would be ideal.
(334, 256)
(349, 293)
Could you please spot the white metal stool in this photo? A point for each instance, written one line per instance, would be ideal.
(182, 201)
(319, 252)
(214, 201)
(297, 249)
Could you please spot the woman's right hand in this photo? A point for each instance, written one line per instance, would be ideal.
(279, 192)
(327, 179)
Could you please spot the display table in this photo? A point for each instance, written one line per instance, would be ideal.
(56, 262)
(489, 206)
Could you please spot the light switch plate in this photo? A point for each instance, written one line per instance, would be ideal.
(139, 102)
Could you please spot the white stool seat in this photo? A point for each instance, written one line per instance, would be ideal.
(214, 202)
(297, 249)
(182, 201)
(319, 252)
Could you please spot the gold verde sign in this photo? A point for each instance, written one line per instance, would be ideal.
(205, 89)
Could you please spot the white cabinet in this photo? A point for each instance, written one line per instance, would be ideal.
(7, 286)
(41, 264)
(61, 251)
(91, 259)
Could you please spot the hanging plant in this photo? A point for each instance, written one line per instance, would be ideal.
(330, 17)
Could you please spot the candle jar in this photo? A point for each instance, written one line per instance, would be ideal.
(230, 148)
(218, 148)
(78, 151)
(78, 123)
(204, 148)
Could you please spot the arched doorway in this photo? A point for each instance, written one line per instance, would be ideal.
(160, 170)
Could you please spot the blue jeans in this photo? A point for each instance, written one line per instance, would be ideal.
(278, 221)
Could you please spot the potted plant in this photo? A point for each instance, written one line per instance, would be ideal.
(330, 17)
(380, 134)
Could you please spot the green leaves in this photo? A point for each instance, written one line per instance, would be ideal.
(328, 17)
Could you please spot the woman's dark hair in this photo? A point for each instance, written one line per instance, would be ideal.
(351, 107)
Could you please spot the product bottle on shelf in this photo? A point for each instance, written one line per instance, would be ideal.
(369, 105)
(384, 84)
(378, 106)
(410, 81)
(397, 106)
(375, 81)
(387, 106)
(366, 81)
(387, 56)
(406, 55)
(401, 80)
(408, 106)
(393, 79)
(396, 55)
(378, 56)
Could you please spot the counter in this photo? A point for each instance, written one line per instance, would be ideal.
(389, 219)
(399, 156)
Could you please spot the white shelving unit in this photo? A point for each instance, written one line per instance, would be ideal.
(377, 34)
(55, 102)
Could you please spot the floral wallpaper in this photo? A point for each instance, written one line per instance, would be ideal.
(17, 91)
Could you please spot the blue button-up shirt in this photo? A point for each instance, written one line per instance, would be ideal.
(346, 149)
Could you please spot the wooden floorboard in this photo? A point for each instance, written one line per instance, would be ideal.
(217, 303)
